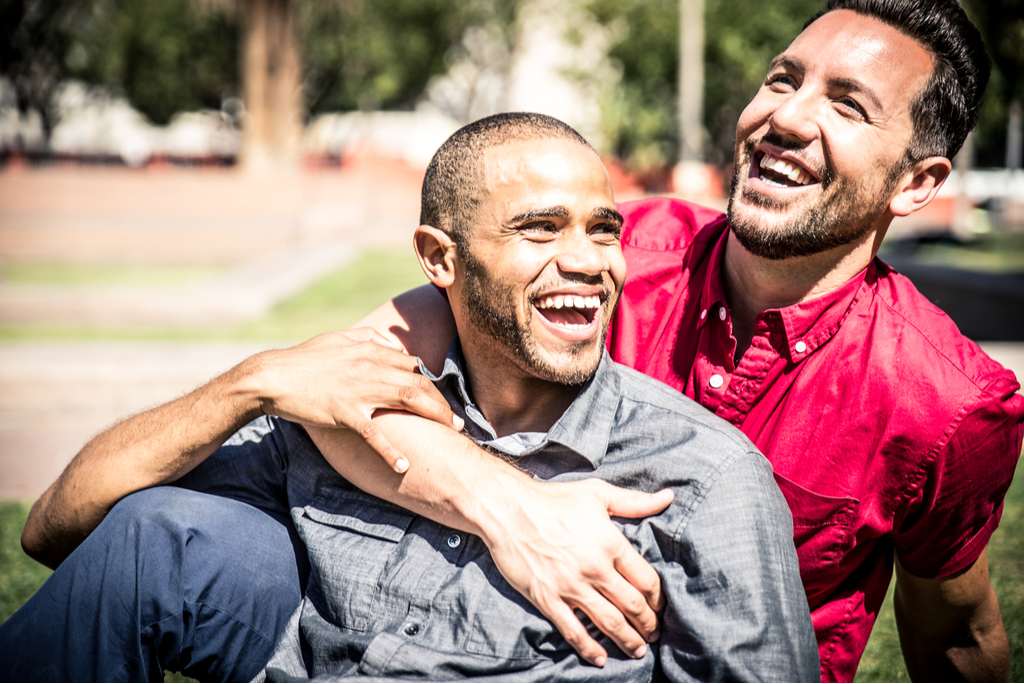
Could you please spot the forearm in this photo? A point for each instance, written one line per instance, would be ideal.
(952, 630)
(452, 481)
(151, 448)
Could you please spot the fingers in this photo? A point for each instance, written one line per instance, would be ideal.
(629, 503)
(639, 597)
(367, 334)
(373, 436)
(420, 396)
(608, 618)
(572, 630)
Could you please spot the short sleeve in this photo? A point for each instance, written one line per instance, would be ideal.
(957, 504)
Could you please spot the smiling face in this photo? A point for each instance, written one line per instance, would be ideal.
(543, 267)
(821, 147)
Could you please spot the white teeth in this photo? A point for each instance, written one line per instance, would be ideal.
(574, 301)
(790, 171)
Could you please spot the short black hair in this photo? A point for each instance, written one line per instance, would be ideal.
(454, 178)
(947, 109)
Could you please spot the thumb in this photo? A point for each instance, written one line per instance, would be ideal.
(629, 503)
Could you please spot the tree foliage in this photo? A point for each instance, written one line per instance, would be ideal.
(380, 54)
(176, 55)
(741, 38)
(1001, 23)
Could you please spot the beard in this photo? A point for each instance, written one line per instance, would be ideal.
(489, 306)
(844, 213)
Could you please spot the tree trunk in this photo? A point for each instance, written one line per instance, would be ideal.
(272, 127)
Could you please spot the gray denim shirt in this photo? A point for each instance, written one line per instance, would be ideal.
(393, 595)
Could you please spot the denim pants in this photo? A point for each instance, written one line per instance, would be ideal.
(172, 579)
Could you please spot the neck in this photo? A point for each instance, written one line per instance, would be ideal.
(511, 400)
(754, 284)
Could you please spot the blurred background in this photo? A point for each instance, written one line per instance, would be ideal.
(186, 182)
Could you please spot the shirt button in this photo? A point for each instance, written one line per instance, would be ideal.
(454, 540)
(412, 629)
(716, 381)
(703, 314)
(721, 313)
(800, 347)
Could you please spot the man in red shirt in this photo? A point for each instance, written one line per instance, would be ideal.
(893, 437)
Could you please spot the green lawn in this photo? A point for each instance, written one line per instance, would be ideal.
(335, 302)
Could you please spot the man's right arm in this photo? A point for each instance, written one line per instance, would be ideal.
(313, 383)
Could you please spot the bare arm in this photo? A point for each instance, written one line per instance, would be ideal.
(308, 383)
(951, 628)
(553, 542)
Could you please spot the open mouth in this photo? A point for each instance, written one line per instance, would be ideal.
(783, 174)
(568, 311)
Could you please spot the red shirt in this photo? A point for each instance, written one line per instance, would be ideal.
(888, 430)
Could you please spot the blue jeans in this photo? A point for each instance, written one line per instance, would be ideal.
(173, 579)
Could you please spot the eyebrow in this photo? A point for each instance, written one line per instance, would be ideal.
(608, 215)
(533, 214)
(563, 213)
(847, 84)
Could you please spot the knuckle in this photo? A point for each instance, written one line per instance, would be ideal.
(408, 394)
(633, 605)
(368, 430)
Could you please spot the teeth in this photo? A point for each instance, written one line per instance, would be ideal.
(793, 173)
(574, 301)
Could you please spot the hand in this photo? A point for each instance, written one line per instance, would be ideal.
(339, 379)
(559, 549)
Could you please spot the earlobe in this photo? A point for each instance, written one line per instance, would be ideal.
(919, 189)
(436, 252)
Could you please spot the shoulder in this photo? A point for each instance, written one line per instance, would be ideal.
(665, 223)
(678, 435)
(930, 347)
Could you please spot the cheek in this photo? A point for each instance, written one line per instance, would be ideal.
(753, 117)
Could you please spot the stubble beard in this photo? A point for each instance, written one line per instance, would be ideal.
(844, 213)
(490, 307)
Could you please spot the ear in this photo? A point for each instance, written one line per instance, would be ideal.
(919, 186)
(436, 252)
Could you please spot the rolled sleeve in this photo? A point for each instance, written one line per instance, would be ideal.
(958, 500)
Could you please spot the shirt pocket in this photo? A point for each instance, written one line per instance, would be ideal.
(351, 537)
(504, 624)
(824, 531)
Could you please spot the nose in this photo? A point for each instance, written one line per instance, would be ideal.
(579, 254)
(794, 118)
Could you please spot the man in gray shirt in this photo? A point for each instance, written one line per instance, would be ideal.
(532, 279)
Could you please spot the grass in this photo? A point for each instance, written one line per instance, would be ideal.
(32, 273)
(335, 302)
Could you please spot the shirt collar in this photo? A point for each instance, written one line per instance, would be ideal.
(807, 325)
(584, 428)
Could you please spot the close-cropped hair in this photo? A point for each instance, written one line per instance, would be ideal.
(454, 181)
(946, 109)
